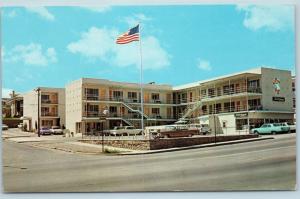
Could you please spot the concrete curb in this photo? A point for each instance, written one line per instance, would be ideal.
(196, 146)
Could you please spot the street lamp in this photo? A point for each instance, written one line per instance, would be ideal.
(105, 113)
(38, 126)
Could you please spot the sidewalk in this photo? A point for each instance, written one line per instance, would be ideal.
(78, 147)
(14, 133)
(195, 146)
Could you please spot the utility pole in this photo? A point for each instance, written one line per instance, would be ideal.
(38, 92)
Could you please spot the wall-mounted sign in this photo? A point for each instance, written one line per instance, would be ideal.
(239, 115)
(276, 85)
(279, 99)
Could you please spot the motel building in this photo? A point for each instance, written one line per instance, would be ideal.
(51, 105)
(231, 104)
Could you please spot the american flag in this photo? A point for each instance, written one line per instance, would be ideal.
(131, 35)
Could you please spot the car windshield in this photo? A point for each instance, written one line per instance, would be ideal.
(44, 128)
(277, 125)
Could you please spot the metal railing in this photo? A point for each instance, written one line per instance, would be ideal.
(126, 100)
(49, 101)
(49, 114)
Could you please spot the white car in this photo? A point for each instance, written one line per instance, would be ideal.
(203, 128)
(20, 126)
(56, 130)
(125, 130)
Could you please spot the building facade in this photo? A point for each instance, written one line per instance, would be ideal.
(235, 103)
(51, 105)
(91, 103)
(229, 104)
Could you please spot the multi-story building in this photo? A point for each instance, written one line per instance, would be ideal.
(229, 104)
(6, 109)
(51, 105)
(238, 101)
(16, 104)
(87, 101)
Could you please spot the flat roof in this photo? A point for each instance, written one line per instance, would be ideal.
(126, 84)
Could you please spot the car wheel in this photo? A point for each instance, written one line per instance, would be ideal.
(255, 132)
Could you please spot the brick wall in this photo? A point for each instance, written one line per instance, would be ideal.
(167, 143)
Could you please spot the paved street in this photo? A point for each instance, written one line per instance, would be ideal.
(261, 165)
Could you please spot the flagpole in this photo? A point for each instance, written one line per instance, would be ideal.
(141, 79)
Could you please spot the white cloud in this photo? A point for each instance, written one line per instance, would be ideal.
(273, 18)
(32, 54)
(6, 92)
(98, 9)
(204, 65)
(100, 44)
(136, 18)
(42, 12)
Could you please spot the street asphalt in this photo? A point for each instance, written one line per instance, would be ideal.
(262, 165)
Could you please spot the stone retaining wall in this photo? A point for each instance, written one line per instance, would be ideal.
(166, 143)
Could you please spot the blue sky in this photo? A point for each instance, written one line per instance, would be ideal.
(51, 46)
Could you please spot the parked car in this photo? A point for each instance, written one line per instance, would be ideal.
(271, 129)
(202, 128)
(125, 130)
(20, 126)
(176, 133)
(4, 127)
(56, 130)
(45, 131)
(292, 126)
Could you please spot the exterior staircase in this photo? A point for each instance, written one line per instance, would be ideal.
(134, 110)
(189, 110)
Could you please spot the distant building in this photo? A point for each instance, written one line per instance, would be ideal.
(52, 108)
(6, 111)
(16, 104)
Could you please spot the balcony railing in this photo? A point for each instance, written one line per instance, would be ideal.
(126, 100)
(49, 114)
(228, 109)
(49, 101)
(125, 116)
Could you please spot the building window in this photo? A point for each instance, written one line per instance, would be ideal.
(155, 111)
(253, 83)
(254, 104)
(294, 102)
(204, 109)
(117, 94)
(228, 89)
(47, 123)
(229, 107)
(203, 93)
(45, 98)
(113, 109)
(155, 97)
(91, 93)
(211, 92)
(132, 95)
(218, 108)
(219, 91)
(240, 123)
(92, 108)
